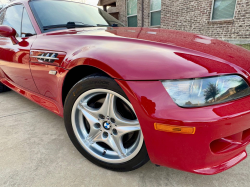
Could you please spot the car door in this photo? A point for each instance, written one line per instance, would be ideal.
(15, 58)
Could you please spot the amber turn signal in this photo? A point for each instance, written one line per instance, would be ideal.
(174, 128)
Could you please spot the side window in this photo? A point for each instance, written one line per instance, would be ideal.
(132, 13)
(223, 9)
(27, 27)
(155, 12)
(13, 17)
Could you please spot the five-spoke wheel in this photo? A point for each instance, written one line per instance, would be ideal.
(103, 125)
(105, 132)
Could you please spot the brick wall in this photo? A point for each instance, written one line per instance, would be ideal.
(194, 16)
(121, 6)
(146, 13)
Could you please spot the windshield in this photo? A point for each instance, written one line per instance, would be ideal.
(55, 12)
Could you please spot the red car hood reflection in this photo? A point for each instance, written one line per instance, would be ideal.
(217, 57)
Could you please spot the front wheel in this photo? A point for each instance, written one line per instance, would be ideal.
(103, 126)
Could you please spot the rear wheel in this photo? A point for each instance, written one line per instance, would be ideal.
(3, 88)
(103, 126)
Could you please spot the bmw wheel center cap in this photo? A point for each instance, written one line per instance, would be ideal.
(106, 125)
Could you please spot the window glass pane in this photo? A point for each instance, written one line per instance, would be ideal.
(132, 21)
(27, 28)
(13, 18)
(60, 12)
(155, 5)
(155, 18)
(132, 7)
(223, 9)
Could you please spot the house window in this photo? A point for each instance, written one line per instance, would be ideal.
(223, 9)
(155, 12)
(132, 13)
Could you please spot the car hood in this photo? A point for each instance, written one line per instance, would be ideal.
(161, 53)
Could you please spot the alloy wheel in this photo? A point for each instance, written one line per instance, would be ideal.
(106, 126)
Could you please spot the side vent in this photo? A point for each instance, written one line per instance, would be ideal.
(54, 58)
(48, 57)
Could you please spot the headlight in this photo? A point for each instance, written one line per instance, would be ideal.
(206, 91)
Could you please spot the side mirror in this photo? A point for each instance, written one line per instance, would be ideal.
(7, 31)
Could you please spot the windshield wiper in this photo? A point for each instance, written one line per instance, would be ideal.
(69, 25)
(113, 25)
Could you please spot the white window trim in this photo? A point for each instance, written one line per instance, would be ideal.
(132, 14)
(151, 11)
(211, 16)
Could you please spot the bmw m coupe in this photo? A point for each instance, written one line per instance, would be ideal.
(129, 95)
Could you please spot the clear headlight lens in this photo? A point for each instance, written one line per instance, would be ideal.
(206, 91)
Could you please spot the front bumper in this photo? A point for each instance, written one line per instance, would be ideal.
(222, 131)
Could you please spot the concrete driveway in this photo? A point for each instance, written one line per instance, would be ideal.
(36, 151)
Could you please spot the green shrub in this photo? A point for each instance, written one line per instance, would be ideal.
(247, 46)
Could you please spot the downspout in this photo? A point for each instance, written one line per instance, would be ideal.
(105, 8)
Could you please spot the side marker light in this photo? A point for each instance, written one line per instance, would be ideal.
(174, 128)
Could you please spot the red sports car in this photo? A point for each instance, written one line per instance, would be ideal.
(129, 94)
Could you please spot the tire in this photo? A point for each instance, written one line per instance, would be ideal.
(104, 142)
(3, 88)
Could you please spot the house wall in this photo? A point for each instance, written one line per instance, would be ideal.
(194, 16)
